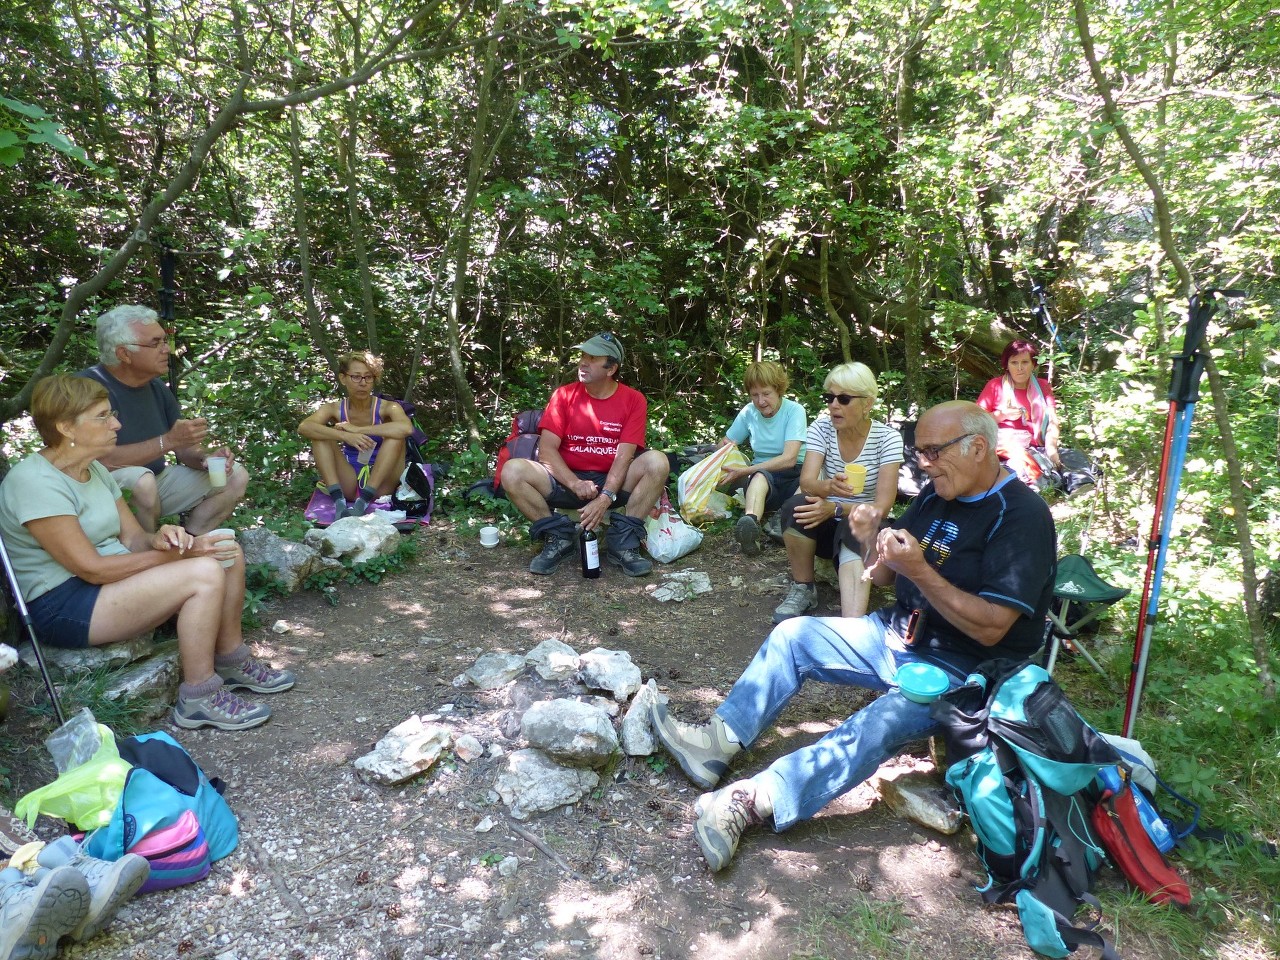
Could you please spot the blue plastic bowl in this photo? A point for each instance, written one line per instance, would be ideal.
(922, 682)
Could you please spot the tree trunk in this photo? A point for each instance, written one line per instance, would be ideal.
(462, 239)
(1164, 227)
(349, 173)
(315, 327)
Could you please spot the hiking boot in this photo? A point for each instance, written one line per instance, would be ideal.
(747, 532)
(632, 562)
(703, 750)
(252, 674)
(35, 913)
(1081, 488)
(722, 816)
(111, 883)
(773, 527)
(554, 551)
(222, 709)
(800, 599)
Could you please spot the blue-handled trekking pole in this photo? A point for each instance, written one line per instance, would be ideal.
(1184, 391)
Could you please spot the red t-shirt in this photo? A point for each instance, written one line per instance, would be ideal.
(590, 429)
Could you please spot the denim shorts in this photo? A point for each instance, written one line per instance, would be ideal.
(782, 486)
(61, 616)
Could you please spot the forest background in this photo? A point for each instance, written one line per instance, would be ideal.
(471, 188)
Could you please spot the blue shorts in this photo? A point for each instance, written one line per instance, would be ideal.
(61, 616)
(782, 486)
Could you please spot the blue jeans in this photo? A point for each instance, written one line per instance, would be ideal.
(852, 652)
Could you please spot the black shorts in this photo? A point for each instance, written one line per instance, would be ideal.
(563, 497)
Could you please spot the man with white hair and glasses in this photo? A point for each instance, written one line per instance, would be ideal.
(133, 350)
(972, 560)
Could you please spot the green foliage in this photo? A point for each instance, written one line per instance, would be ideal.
(863, 927)
(124, 715)
(656, 762)
(261, 586)
(371, 571)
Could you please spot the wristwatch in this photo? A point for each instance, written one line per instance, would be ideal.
(613, 497)
(839, 512)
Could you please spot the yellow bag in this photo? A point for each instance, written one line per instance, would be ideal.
(85, 795)
(700, 501)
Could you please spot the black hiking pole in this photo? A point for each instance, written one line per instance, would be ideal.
(1184, 391)
(21, 606)
(1041, 312)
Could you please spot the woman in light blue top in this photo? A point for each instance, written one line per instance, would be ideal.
(774, 427)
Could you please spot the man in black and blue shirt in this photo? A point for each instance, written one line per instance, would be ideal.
(972, 560)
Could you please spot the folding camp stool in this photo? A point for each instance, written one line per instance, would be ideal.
(1078, 591)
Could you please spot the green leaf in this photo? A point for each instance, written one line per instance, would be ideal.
(25, 109)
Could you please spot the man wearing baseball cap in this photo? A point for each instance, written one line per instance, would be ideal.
(591, 456)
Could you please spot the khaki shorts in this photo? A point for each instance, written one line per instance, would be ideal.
(180, 487)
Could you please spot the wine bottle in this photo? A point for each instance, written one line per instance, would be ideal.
(589, 550)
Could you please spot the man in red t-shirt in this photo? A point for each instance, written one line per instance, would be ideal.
(591, 456)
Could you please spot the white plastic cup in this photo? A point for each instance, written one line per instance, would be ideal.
(222, 533)
(488, 537)
(364, 456)
(855, 477)
(217, 467)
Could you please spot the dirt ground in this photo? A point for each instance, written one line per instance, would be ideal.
(330, 866)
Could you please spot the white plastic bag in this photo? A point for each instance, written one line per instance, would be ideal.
(668, 538)
(700, 501)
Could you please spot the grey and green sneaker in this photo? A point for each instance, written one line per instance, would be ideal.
(800, 599)
(703, 750)
(722, 817)
(252, 674)
(222, 709)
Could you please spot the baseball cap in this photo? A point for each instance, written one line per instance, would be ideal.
(602, 345)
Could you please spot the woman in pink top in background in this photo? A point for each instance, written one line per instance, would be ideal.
(1029, 433)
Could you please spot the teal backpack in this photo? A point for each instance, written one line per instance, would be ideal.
(1023, 764)
(163, 784)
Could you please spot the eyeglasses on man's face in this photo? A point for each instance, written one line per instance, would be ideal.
(844, 399)
(106, 417)
(154, 344)
(933, 452)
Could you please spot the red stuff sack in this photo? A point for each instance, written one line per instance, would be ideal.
(1119, 828)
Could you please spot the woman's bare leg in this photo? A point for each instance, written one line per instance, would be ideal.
(196, 589)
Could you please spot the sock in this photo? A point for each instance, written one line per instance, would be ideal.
(233, 659)
(728, 730)
(335, 491)
(764, 795)
(198, 691)
(368, 494)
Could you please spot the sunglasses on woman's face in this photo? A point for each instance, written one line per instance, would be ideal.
(843, 398)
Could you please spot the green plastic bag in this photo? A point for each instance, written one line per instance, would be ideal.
(85, 795)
